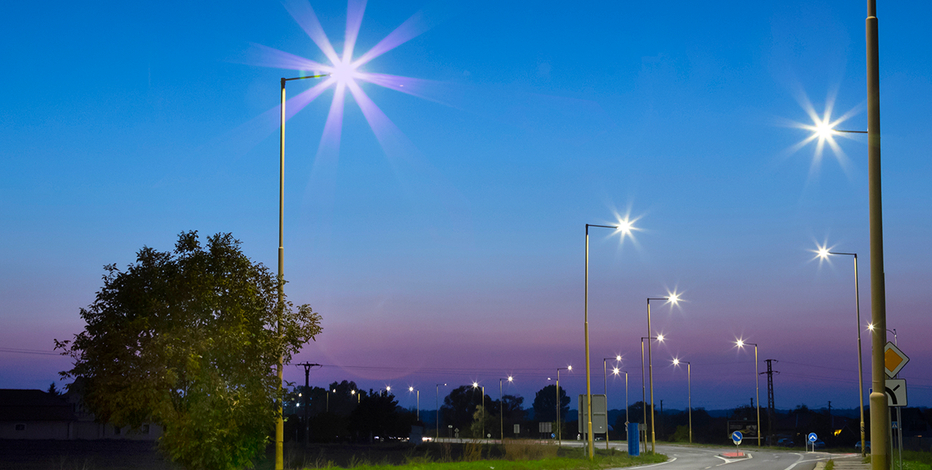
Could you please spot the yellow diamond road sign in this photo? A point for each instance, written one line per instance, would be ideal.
(893, 359)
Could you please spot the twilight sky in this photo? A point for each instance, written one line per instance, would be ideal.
(437, 222)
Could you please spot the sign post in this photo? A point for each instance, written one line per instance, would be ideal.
(811, 439)
(736, 438)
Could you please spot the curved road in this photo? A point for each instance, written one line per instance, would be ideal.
(711, 458)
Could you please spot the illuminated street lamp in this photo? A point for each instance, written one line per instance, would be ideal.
(870, 326)
(559, 429)
(438, 410)
(741, 343)
(605, 385)
(417, 409)
(689, 392)
(476, 385)
(824, 254)
(280, 423)
(644, 391)
(624, 227)
(879, 412)
(501, 412)
(673, 299)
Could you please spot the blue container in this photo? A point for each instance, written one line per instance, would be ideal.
(634, 445)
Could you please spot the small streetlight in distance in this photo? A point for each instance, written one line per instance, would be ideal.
(824, 253)
(438, 410)
(689, 392)
(417, 409)
(741, 344)
(501, 412)
(559, 428)
(672, 299)
(616, 371)
(475, 385)
(605, 386)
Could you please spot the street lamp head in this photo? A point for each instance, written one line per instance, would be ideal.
(475, 385)
(618, 357)
(625, 226)
(824, 129)
(569, 367)
(823, 252)
(615, 371)
(352, 392)
(511, 379)
(659, 338)
(870, 326)
(410, 389)
(739, 343)
(388, 388)
(674, 298)
(676, 361)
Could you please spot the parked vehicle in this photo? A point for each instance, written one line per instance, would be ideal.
(785, 442)
(818, 445)
(867, 446)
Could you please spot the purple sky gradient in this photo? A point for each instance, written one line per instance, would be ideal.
(436, 218)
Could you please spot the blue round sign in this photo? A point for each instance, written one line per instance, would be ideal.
(812, 437)
(736, 437)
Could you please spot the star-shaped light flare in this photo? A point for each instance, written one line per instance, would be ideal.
(344, 72)
(824, 130)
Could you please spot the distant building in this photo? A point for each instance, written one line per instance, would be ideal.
(34, 414)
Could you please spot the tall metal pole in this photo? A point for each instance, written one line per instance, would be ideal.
(757, 388)
(643, 398)
(280, 423)
(591, 445)
(689, 389)
(857, 308)
(880, 414)
(438, 410)
(650, 373)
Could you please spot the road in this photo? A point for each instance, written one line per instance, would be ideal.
(709, 458)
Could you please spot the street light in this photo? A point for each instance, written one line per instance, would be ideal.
(644, 392)
(624, 227)
(870, 326)
(280, 423)
(689, 392)
(476, 385)
(417, 409)
(605, 385)
(615, 371)
(438, 410)
(824, 254)
(501, 412)
(559, 429)
(741, 343)
(673, 299)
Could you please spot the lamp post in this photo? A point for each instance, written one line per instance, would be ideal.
(501, 412)
(615, 371)
(650, 366)
(824, 253)
(605, 385)
(280, 423)
(625, 227)
(476, 385)
(689, 393)
(417, 403)
(741, 343)
(559, 429)
(644, 392)
(438, 410)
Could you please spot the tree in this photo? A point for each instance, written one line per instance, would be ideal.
(53, 390)
(189, 339)
(461, 404)
(545, 404)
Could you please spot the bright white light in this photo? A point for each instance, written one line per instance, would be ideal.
(569, 367)
(511, 379)
(618, 357)
(740, 343)
(674, 298)
(676, 361)
(615, 370)
(410, 389)
(659, 338)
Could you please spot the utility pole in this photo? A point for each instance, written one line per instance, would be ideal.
(307, 374)
(770, 405)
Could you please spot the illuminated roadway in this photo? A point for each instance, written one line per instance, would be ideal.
(710, 458)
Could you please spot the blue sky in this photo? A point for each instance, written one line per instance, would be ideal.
(454, 252)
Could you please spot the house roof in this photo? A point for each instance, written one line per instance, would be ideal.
(33, 405)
